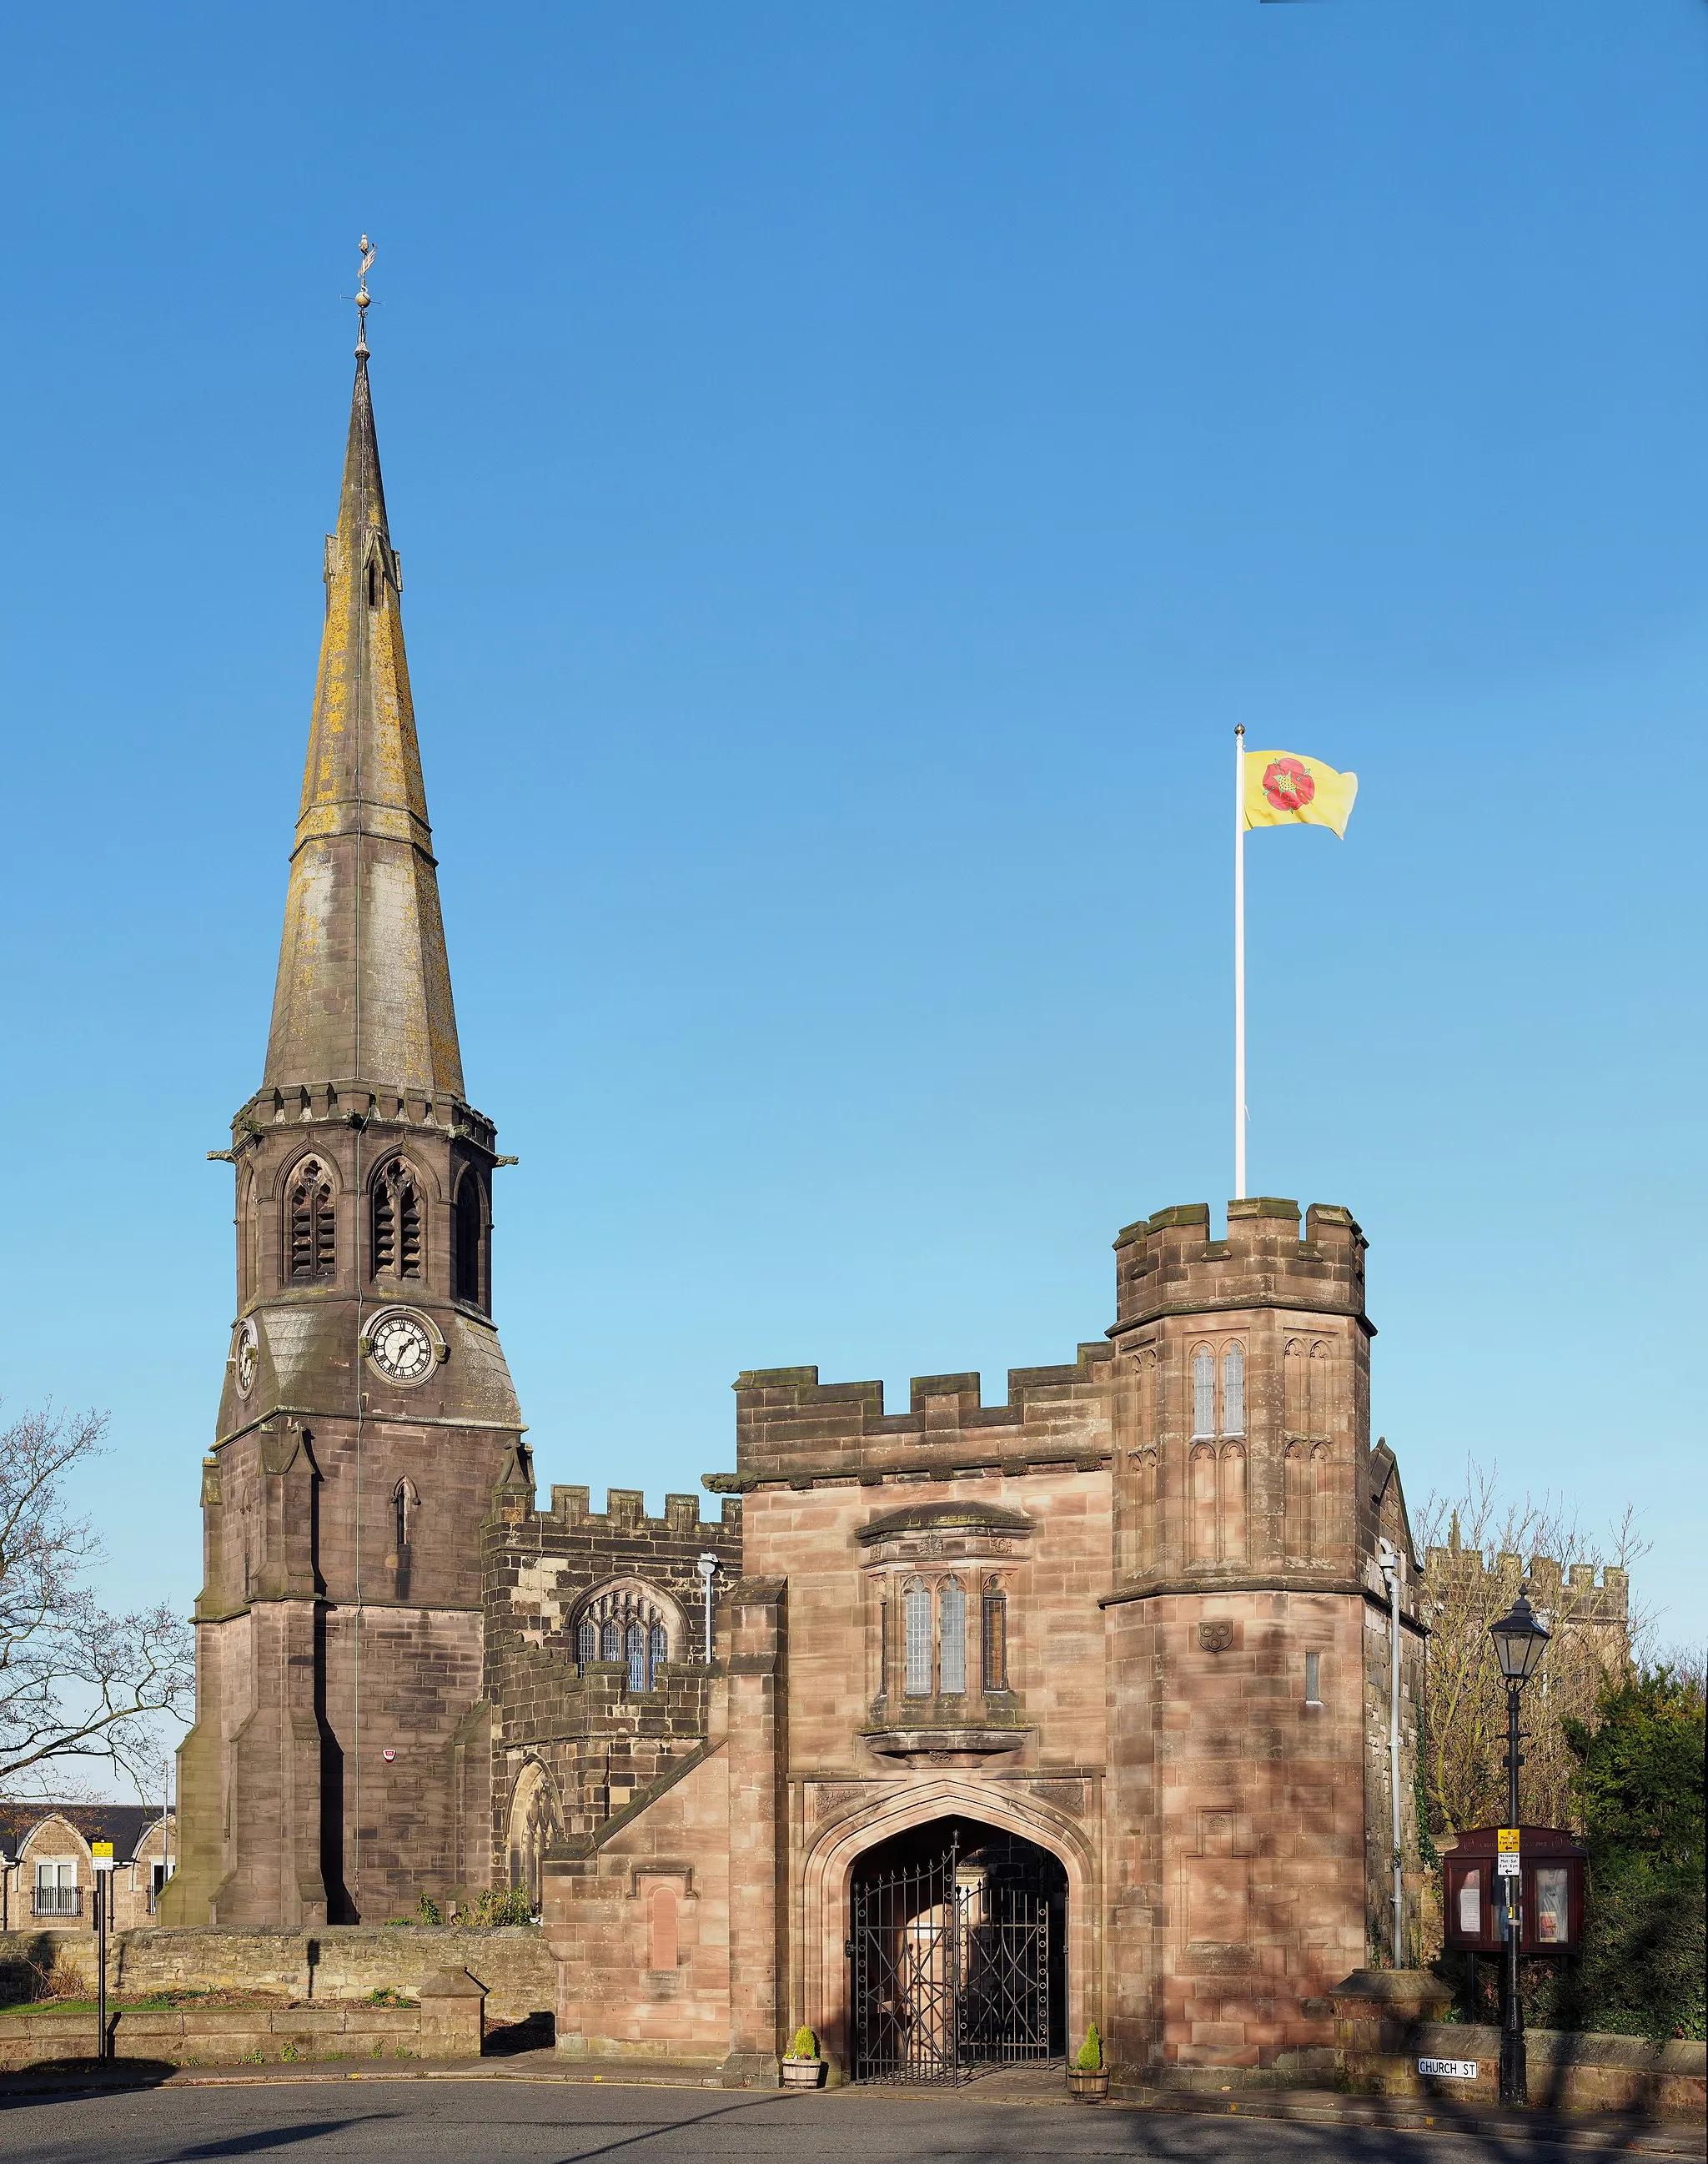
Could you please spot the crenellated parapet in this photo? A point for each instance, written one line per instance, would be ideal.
(1572, 1596)
(1241, 1400)
(793, 1429)
(1169, 1265)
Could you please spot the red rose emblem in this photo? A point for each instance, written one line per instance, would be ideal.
(1288, 785)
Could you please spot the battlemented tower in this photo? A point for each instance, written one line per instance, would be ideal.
(367, 1410)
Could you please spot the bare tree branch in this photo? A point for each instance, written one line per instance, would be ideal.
(77, 1686)
(1482, 1551)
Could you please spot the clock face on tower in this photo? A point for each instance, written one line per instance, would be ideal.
(244, 1345)
(402, 1346)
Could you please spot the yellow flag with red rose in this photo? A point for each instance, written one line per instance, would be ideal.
(1284, 790)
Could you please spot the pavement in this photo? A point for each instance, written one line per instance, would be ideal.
(535, 2108)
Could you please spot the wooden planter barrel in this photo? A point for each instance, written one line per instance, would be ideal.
(1086, 2088)
(803, 2073)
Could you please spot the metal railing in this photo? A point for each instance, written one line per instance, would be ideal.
(57, 1901)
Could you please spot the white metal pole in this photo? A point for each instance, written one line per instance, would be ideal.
(1239, 961)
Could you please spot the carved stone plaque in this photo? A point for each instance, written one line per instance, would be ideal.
(1214, 1637)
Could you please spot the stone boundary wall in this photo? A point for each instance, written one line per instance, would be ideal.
(1382, 2028)
(343, 1961)
(1586, 2072)
(213, 2037)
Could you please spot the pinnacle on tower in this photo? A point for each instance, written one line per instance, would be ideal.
(364, 986)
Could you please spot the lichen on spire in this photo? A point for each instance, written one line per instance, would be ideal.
(364, 986)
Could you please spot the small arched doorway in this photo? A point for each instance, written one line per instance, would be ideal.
(957, 1953)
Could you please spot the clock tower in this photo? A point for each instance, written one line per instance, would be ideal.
(367, 1410)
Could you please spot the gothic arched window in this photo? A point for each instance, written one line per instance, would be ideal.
(1233, 1390)
(468, 1228)
(311, 1227)
(404, 1504)
(916, 1609)
(397, 1223)
(627, 1622)
(1203, 1391)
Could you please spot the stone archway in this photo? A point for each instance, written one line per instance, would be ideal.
(826, 1885)
(958, 1940)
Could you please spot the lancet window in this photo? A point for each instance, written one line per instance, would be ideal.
(1203, 1391)
(1233, 1390)
(310, 1225)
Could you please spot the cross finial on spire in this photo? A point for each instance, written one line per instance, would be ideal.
(369, 252)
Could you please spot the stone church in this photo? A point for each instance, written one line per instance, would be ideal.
(1011, 1717)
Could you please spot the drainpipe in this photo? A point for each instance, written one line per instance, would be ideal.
(1390, 1559)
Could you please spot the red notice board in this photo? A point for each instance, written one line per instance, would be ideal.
(1551, 1877)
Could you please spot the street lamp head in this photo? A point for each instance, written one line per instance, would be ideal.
(1520, 1641)
(708, 1566)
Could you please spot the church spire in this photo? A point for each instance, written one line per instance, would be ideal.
(364, 986)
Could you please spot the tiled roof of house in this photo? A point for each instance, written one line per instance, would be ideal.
(123, 1825)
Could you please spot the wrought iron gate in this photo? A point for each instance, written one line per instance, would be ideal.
(951, 1966)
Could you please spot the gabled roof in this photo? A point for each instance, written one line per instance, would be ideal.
(124, 1824)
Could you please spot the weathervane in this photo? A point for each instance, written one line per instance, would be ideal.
(363, 297)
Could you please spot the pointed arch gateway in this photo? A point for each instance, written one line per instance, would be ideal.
(1002, 1839)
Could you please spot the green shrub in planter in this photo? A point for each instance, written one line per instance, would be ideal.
(1090, 2058)
(806, 2043)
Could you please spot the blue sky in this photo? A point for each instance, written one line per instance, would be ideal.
(853, 467)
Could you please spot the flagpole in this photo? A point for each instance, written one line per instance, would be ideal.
(1239, 961)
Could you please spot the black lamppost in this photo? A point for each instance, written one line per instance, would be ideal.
(1519, 1643)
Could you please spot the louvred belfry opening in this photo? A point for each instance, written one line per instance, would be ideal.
(314, 1225)
(396, 1223)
